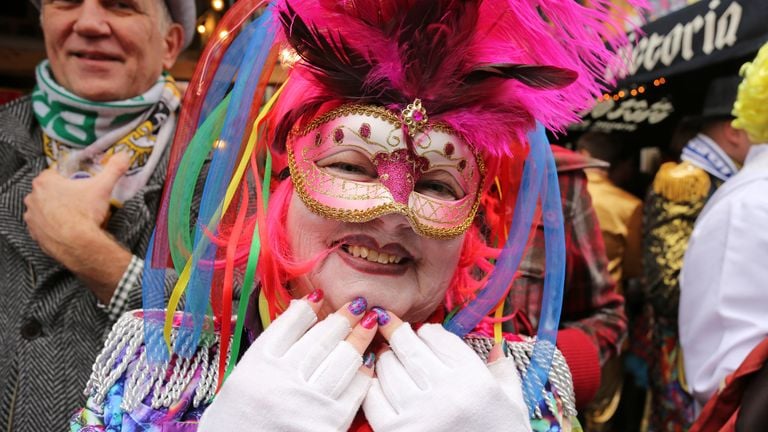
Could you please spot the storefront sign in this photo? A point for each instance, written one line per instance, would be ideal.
(624, 116)
(704, 33)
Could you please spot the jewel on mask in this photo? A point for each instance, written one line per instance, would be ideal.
(338, 135)
(365, 130)
(415, 117)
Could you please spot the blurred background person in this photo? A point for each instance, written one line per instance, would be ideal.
(618, 211)
(593, 324)
(678, 195)
(82, 164)
(619, 404)
(723, 279)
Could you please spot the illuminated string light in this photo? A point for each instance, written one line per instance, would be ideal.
(217, 5)
(201, 29)
(621, 94)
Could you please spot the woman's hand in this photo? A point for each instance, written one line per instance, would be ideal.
(299, 375)
(432, 381)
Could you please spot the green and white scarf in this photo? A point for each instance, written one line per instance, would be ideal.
(79, 135)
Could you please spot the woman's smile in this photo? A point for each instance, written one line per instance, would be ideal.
(363, 253)
(383, 260)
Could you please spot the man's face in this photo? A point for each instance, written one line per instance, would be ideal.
(107, 50)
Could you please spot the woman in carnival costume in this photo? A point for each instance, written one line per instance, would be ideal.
(409, 150)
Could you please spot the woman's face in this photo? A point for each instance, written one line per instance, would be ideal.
(383, 260)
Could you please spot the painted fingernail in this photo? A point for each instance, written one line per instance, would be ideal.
(369, 359)
(358, 305)
(383, 316)
(315, 296)
(369, 320)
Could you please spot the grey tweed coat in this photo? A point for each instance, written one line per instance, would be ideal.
(50, 327)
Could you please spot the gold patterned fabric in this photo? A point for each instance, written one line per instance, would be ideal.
(679, 193)
(668, 224)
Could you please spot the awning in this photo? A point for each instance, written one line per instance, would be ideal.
(700, 35)
(673, 63)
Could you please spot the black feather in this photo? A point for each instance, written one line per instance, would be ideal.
(337, 66)
(534, 76)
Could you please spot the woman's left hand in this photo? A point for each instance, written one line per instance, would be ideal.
(432, 381)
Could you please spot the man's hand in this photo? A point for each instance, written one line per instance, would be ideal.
(66, 216)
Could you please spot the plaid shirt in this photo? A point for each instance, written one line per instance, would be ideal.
(121, 298)
(590, 300)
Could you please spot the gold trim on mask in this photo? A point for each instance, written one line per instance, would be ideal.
(369, 110)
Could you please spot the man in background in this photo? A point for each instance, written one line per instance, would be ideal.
(723, 281)
(619, 404)
(679, 193)
(82, 163)
(620, 213)
(592, 324)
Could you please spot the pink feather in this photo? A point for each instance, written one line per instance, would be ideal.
(426, 49)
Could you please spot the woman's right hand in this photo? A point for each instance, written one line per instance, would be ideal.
(299, 375)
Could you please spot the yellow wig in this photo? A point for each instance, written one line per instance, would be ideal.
(751, 106)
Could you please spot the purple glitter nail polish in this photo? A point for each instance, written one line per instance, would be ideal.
(382, 314)
(358, 305)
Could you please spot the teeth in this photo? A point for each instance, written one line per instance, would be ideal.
(373, 256)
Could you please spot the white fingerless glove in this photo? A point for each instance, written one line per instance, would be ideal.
(292, 379)
(433, 381)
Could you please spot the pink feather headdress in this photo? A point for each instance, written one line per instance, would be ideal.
(488, 68)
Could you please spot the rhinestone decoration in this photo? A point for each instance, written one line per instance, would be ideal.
(365, 130)
(338, 135)
(415, 117)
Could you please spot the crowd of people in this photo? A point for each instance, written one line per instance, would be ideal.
(388, 242)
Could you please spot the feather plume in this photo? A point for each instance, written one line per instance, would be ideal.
(489, 68)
